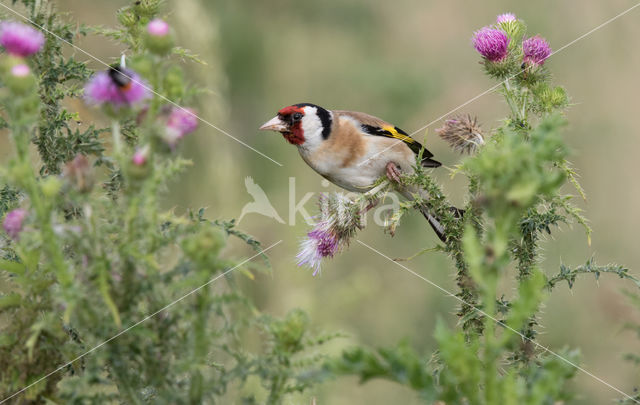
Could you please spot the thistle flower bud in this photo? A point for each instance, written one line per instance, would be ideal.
(462, 133)
(174, 83)
(205, 245)
(158, 28)
(506, 17)
(146, 8)
(21, 70)
(13, 222)
(20, 80)
(491, 43)
(117, 88)
(291, 330)
(158, 38)
(51, 186)
(20, 39)
(535, 50)
(79, 174)
(141, 156)
(139, 167)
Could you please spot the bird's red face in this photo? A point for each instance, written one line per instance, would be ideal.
(305, 125)
(289, 123)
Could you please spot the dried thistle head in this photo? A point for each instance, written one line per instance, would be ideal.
(462, 133)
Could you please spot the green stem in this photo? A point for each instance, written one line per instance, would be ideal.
(525, 98)
(453, 228)
(117, 138)
(275, 392)
(42, 209)
(103, 266)
(517, 109)
(525, 250)
(491, 347)
(157, 85)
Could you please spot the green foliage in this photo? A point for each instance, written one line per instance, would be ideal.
(570, 275)
(400, 364)
(97, 267)
(8, 199)
(516, 173)
(285, 368)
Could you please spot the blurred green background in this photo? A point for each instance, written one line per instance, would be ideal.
(409, 62)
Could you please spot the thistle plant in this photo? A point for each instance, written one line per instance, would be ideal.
(89, 261)
(516, 173)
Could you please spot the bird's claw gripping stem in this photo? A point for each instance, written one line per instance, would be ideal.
(393, 172)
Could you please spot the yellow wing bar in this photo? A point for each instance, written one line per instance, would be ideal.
(395, 134)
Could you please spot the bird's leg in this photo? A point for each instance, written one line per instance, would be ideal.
(393, 172)
(369, 206)
(363, 212)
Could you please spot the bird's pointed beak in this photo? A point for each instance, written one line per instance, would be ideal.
(274, 124)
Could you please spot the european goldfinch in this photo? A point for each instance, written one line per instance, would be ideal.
(351, 149)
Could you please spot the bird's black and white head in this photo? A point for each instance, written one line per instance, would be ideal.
(304, 124)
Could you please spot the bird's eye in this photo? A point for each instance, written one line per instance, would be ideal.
(297, 116)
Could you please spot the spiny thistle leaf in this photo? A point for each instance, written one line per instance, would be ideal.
(570, 275)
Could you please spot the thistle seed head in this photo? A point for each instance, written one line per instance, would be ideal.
(462, 133)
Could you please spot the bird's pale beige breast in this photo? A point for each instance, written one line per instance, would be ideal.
(346, 144)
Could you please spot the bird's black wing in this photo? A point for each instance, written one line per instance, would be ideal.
(396, 133)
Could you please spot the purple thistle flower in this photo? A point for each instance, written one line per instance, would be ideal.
(13, 222)
(338, 223)
(327, 242)
(491, 43)
(536, 50)
(158, 28)
(117, 88)
(319, 244)
(20, 39)
(308, 255)
(182, 120)
(506, 17)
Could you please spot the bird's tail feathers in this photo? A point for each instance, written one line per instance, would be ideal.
(410, 193)
(428, 162)
(435, 223)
